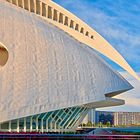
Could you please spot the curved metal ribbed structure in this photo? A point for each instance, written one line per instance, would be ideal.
(51, 77)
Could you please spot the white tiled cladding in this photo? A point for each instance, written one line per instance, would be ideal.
(47, 69)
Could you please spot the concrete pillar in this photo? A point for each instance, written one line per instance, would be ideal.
(42, 129)
(36, 123)
(24, 124)
(35, 6)
(9, 126)
(29, 5)
(40, 4)
(17, 125)
(46, 7)
(31, 126)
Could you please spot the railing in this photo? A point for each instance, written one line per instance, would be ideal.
(78, 29)
(49, 10)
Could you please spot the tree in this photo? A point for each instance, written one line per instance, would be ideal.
(83, 124)
(108, 124)
(102, 118)
(100, 124)
(89, 123)
(110, 118)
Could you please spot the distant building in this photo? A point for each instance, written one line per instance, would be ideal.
(115, 118)
(99, 116)
(104, 117)
(126, 118)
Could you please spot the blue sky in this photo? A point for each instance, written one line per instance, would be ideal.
(118, 21)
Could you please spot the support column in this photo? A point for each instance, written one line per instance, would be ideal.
(17, 2)
(51, 126)
(52, 11)
(37, 123)
(42, 128)
(46, 8)
(35, 6)
(9, 126)
(31, 122)
(17, 125)
(23, 4)
(94, 116)
(40, 4)
(24, 124)
(47, 125)
(29, 5)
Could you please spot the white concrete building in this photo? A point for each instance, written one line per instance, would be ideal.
(49, 76)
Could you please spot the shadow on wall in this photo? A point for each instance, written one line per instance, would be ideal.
(3, 55)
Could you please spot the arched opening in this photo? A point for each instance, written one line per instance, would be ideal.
(3, 55)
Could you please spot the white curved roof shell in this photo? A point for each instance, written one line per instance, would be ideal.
(47, 69)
